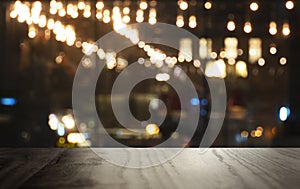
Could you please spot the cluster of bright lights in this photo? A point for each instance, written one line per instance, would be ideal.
(258, 132)
(61, 123)
(35, 19)
(64, 33)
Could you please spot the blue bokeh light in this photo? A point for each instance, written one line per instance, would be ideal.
(7, 101)
(195, 101)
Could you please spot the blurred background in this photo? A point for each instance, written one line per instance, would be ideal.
(255, 45)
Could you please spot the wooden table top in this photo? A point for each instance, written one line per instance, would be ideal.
(216, 168)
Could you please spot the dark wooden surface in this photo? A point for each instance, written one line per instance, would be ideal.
(217, 168)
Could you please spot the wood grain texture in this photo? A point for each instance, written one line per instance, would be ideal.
(216, 168)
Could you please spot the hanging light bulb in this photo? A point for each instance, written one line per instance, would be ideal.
(183, 5)
(81, 5)
(143, 5)
(139, 15)
(192, 22)
(289, 5)
(286, 29)
(231, 25)
(208, 5)
(254, 6)
(180, 21)
(273, 28)
(273, 49)
(106, 17)
(247, 27)
(100, 5)
(31, 32)
(152, 16)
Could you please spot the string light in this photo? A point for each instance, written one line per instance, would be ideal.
(208, 5)
(139, 15)
(180, 21)
(247, 27)
(143, 5)
(99, 5)
(32, 32)
(283, 60)
(254, 6)
(289, 5)
(183, 5)
(231, 25)
(152, 16)
(273, 28)
(192, 22)
(286, 29)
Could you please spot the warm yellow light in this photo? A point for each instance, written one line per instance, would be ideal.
(99, 5)
(152, 129)
(208, 5)
(87, 13)
(42, 21)
(231, 61)
(213, 55)
(152, 20)
(59, 59)
(143, 5)
(273, 50)
(58, 5)
(197, 63)
(260, 128)
(261, 62)
(255, 49)
(13, 14)
(81, 5)
(62, 12)
(244, 134)
(283, 60)
(75, 138)
(183, 5)
(289, 5)
(180, 21)
(29, 21)
(231, 25)
(216, 69)
(126, 19)
(106, 12)
(32, 32)
(192, 22)
(231, 46)
(273, 28)
(99, 15)
(53, 10)
(286, 29)
(68, 120)
(126, 10)
(241, 69)
(258, 133)
(106, 19)
(247, 27)
(254, 6)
